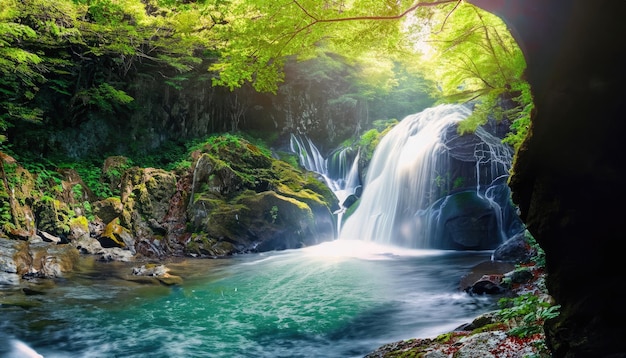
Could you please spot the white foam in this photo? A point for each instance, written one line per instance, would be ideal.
(20, 349)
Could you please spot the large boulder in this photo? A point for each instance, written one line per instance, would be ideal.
(255, 222)
(52, 216)
(467, 222)
(146, 195)
(243, 200)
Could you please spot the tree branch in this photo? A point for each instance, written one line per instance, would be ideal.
(359, 18)
(378, 18)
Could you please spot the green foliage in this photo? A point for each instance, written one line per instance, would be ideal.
(472, 56)
(115, 173)
(77, 191)
(520, 116)
(88, 210)
(90, 173)
(19, 75)
(260, 35)
(527, 312)
(104, 97)
(540, 256)
(83, 53)
(47, 179)
(274, 213)
(369, 140)
(6, 217)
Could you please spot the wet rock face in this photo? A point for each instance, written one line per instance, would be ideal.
(568, 175)
(469, 222)
(31, 260)
(8, 266)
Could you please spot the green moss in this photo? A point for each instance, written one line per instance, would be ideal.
(496, 326)
(445, 337)
(141, 193)
(289, 158)
(369, 140)
(112, 231)
(81, 222)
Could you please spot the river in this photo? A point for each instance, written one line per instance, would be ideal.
(337, 299)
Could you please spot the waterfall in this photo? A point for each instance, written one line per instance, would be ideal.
(428, 187)
(340, 170)
(309, 155)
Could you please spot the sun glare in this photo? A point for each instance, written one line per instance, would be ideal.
(365, 250)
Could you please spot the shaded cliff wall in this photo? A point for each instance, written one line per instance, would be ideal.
(323, 103)
(568, 176)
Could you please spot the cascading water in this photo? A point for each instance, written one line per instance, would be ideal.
(340, 170)
(428, 187)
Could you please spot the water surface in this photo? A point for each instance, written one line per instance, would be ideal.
(338, 299)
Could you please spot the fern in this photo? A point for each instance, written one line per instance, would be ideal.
(526, 313)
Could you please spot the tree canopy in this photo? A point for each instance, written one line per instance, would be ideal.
(469, 53)
(83, 51)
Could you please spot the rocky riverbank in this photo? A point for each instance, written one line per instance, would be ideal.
(227, 197)
(514, 331)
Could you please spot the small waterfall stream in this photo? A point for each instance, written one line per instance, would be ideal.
(340, 170)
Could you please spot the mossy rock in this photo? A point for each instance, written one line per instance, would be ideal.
(116, 235)
(200, 245)
(147, 197)
(213, 175)
(150, 190)
(108, 209)
(217, 218)
(243, 196)
(53, 216)
(80, 222)
(253, 222)
(240, 153)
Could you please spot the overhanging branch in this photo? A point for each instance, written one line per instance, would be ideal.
(316, 20)
(377, 18)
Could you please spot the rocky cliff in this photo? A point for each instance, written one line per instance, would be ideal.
(568, 175)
